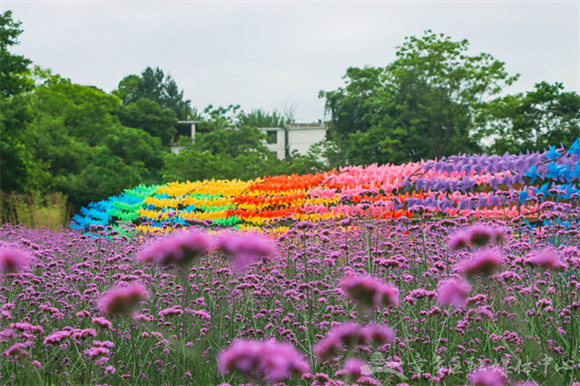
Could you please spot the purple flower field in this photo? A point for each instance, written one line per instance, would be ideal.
(357, 301)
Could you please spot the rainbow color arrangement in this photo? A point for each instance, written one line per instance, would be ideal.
(489, 186)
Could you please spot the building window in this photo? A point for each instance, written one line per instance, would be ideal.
(271, 136)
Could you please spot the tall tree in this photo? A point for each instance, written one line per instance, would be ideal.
(228, 145)
(422, 105)
(262, 118)
(153, 84)
(534, 120)
(20, 171)
(90, 155)
(147, 115)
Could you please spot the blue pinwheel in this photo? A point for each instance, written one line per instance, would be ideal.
(553, 154)
(544, 190)
(523, 195)
(553, 170)
(532, 173)
(575, 148)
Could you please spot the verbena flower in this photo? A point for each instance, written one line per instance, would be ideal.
(171, 311)
(489, 376)
(244, 248)
(452, 292)
(102, 322)
(478, 235)
(122, 300)
(179, 249)
(458, 241)
(378, 334)
(268, 360)
(17, 350)
(483, 263)
(548, 259)
(369, 292)
(56, 338)
(13, 260)
(350, 335)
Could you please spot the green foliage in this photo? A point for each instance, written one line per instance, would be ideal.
(229, 145)
(14, 78)
(233, 142)
(148, 116)
(154, 85)
(261, 118)
(35, 209)
(90, 155)
(20, 171)
(216, 118)
(423, 105)
(222, 154)
(534, 120)
(319, 158)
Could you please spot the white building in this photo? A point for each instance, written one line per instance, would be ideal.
(184, 129)
(300, 136)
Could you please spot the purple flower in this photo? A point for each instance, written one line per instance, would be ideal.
(483, 263)
(327, 348)
(350, 335)
(458, 241)
(388, 295)
(56, 338)
(361, 289)
(122, 300)
(271, 360)
(378, 334)
(488, 376)
(17, 350)
(452, 292)
(353, 368)
(548, 259)
(97, 352)
(178, 248)
(480, 235)
(102, 322)
(244, 248)
(369, 292)
(172, 311)
(13, 260)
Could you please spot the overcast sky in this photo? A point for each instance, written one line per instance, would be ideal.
(274, 54)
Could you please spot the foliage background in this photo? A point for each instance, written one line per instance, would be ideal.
(434, 100)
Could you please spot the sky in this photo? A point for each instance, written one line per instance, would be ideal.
(279, 55)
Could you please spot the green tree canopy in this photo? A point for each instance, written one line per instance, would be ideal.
(224, 148)
(147, 115)
(90, 155)
(20, 171)
(153, 84)
(262, 118)
(534, 120)
(422, 105)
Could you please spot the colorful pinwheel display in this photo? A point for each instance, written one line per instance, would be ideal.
(462, 185)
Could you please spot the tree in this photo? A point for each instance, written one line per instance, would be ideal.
(89, 154)
(423, 105)
(260, 118)
(153, 84)
(228, 144)
(534, 120)
(223, 153)
(20, 171)
(148, 116)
